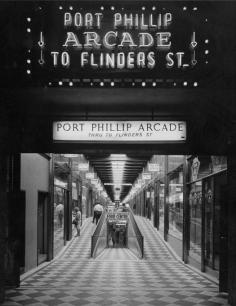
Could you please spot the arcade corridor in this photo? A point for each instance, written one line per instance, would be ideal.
(134, 104)
(73, 278)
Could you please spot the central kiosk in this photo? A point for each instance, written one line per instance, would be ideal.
(117, 227)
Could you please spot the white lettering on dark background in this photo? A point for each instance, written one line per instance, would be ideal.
(133, 41)
(119, 131)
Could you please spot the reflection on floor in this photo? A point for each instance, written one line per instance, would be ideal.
(58, 240)
(76, 279)
(116, 254)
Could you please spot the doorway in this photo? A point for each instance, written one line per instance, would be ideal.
(216, 228)
(223, 237)
(42, 244)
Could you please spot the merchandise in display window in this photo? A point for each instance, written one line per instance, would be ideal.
(195, 220)
(152, 204)
(59, 217)
(208, 190)
(175, 199)
(215, 204)
(220, 214)
(202, 166)
(161, 205)
(84, 195)
(207, 204)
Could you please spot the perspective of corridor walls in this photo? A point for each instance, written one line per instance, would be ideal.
(186, 201)
(71, 189)
(34, 183)
(38, 185)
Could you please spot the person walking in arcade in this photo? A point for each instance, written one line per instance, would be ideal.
(77, 220)
(97, 212)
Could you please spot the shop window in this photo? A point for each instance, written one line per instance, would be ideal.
(208, 190)
(75, 200)
(195, 205)
(42, 225)
(84, 200)
(147, 204)
(152, 204)
(174, 161)
(207, 199)
(59, 212)
(215, 200)
(175, 201)
(218, 163)
(161, 205)
(202, 166)
(159, 161)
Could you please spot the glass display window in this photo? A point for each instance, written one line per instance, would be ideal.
(195, 214)
(174, 161)
(208, 229)
(58, 219)
(161, 205)
(202, 166)
(175, 202)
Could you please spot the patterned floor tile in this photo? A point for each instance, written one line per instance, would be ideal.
(74, 279)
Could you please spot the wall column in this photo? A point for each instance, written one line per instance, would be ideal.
(232, 228)
(166, 201)
(3, 222)
(69, 180)
(186, 215)
(51, 209)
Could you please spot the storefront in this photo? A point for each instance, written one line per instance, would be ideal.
(208, 207)
(189, 207)
(61, 197)
(72, 188)
(174, 202)
(35, 184)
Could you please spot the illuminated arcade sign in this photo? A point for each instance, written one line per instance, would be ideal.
(89, 42)
(119, 131)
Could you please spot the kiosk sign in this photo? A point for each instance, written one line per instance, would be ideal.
(119, 131)
(117, 216)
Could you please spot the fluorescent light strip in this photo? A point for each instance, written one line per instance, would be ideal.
(117, 173)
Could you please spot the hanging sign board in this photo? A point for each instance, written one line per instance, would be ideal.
(83, 167)
(119, 131)
(74, 193)
(89, 175)
(146, 176)
(153, 167)
(141, 182)
(70, 155)
(111, 216)
(60, 183)
(110, 208)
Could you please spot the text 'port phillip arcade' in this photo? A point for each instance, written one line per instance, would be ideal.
(128, 61)
(122, 131)
(85, 44)
(119, 40)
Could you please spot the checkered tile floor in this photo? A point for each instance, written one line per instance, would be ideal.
(76, 279)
